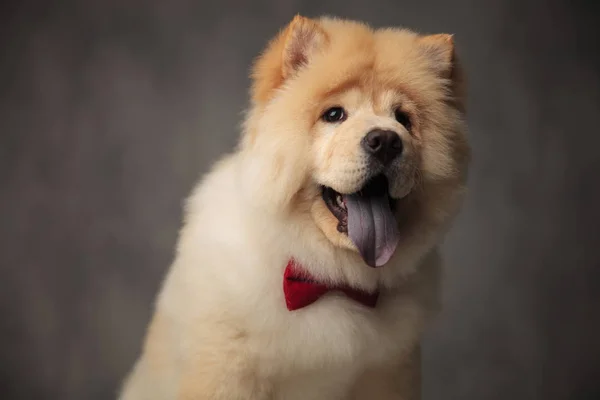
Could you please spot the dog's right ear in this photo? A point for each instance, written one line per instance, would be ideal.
(304, 37)
(289, 51)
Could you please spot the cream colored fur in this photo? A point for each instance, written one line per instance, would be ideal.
(221, 329)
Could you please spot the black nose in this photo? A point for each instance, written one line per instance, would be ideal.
(383, 145)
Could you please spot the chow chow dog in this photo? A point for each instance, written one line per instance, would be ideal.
(308, 263)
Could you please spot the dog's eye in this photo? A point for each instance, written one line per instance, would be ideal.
(334, 114)
(403, 119)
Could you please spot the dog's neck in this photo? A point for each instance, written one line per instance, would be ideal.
(301, 289)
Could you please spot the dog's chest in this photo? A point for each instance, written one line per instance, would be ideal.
(317, 385)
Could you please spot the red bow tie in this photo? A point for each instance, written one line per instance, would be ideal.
(301, 290)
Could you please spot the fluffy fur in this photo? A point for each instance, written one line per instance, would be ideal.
(221, 329)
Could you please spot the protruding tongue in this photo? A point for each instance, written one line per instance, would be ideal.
(371, 224)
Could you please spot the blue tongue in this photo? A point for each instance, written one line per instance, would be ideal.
(372, 227)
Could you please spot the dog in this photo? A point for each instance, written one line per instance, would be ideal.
(308, 264)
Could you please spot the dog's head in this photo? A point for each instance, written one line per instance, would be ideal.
(360, 129)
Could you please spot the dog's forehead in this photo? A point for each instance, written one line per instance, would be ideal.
(367, 90)
(367, 75)
(368, 97)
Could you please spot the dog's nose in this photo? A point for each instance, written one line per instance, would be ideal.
(383, 145)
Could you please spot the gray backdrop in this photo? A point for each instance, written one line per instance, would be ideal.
(110, 110)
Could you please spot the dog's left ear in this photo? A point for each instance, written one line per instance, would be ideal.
(440, 51)
(287, 53)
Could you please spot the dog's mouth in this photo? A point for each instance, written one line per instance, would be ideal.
(367, 217)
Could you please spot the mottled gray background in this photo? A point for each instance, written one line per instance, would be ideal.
(110, 110)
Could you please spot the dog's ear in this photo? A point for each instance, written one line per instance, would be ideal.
(303, 39)
(289, 51)
(440, 51)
